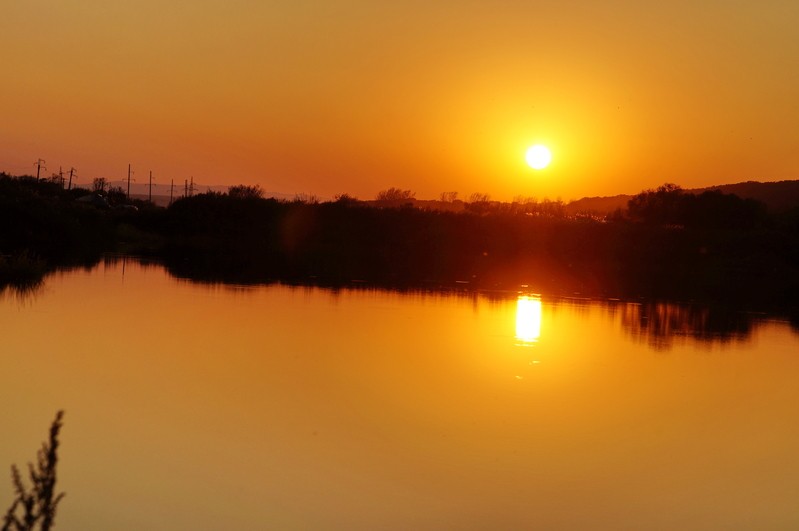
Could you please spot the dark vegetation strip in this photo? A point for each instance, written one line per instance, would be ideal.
(667, 244)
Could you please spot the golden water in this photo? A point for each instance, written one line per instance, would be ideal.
(201, 407)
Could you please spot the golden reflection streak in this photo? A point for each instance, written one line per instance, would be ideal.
(528, 320)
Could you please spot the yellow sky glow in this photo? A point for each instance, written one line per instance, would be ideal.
(358, 96)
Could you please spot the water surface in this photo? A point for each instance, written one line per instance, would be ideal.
(191, 406)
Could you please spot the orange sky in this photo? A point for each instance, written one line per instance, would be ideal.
(357, 96)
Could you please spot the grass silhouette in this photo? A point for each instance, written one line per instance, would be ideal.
(36, 505)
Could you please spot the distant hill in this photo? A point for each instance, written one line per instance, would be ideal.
(778, 197)
(598, 205)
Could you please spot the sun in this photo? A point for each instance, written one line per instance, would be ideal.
(538, 157)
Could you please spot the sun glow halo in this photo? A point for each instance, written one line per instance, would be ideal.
(538, 157)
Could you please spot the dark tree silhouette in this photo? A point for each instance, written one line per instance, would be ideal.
(346, 199)
(395, 194)
(99, 184)
(449, 197)
(116, 195)
(663, 206)
(671, 205)
(242, 191)
(36, 505)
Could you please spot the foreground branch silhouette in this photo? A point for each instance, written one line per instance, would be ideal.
(37, 505)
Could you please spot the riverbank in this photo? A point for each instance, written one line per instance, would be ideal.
(667, 245)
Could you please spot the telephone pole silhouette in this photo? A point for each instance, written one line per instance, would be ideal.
(171, 190)
(72, 171)
(38, 165)
(150, 197)
(129, 172)
(61, 176)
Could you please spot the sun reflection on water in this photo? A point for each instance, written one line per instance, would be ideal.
(528, 320)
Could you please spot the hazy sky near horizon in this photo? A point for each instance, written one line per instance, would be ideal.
(307, 96)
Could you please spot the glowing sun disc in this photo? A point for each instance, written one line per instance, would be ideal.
(538, 157)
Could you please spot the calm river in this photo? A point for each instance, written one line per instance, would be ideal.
(196, 407)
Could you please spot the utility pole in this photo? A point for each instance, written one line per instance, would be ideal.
(191, 187)
(38, 165)
(129, 172)
(185, 188)
(61, 176)
(150, 198)
(71, 172)
(171, 190)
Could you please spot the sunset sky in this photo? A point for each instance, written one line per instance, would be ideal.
(357, 96)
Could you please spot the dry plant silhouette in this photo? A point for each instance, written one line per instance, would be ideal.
(36, 505)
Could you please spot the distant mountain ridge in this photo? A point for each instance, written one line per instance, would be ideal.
(778, 196)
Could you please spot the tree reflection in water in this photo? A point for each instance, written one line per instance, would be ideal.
(660, 324)
(23, 293)
(657, 323)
